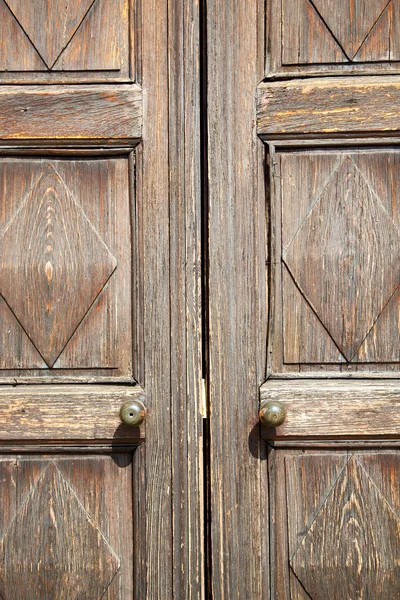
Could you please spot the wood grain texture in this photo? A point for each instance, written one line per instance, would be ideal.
(351, 549)
(347, 25)
(51, 252)
(336, 523)
(310, 37)
(307, 186)
(81, 113)
(63, 412)
(335, 408)
(101, 42)
(72, 40)
(186, 308)
(45, 527)
(154, 199)
(237, 314)
(345, 258)
(93, 194)
(50, 25)
(334, 106)
(58, 491)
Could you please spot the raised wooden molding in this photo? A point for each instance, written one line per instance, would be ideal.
(323, 408)
(66, 412)
(79, 113)
(329, 106)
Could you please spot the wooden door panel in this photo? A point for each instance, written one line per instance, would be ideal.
(77, 40)
(92, 251)
(338, 524)
(64, 533)
(336, 243)
(66, 272)
(333, 303)
(353, 36)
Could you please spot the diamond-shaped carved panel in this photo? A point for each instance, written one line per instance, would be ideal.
(50, 40)
(53, 264)
(53, 550)
(352, 549)
(50, 24)
(350, 20)
(338, 34)
(345, 258)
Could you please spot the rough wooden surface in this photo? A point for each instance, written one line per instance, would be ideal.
(186, 306)
(46, 208)
(63, 412)
(237, 316)
(310, 37)
(154, 198)
(329, 106)
(78, 113)
(51, 504)
(335, 408)
(68, 40)
(332, 330)
(337, 524)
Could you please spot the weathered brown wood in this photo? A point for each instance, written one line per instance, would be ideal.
(329, 106)
(351, 546)
(81, 113)
(187, 408)
(325, 37)
(157, 301)
(347, 296)
(63, 412)
(335, 408)
(70, 40)
(47, 206)
(237, 308)
(309, 329)
(52, 501)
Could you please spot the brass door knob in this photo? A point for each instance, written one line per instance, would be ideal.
(133, 413)
(273, 413)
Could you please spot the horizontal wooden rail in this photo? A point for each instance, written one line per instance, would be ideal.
(329, 106)
(77, 113)
(335, 408)
(66, 412)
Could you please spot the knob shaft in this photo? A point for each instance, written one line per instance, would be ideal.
(133, 413)
(272, 414)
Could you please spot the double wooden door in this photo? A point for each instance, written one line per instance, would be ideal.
(199, 223)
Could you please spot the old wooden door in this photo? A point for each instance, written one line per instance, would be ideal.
(99, 230)
(304, 204)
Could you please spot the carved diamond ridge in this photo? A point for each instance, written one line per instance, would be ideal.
(350, 21)
(345, 258)
(53, 550)
(53, 265)
(352, 549)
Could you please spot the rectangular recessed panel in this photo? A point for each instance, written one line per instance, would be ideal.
(66, 268)
(326, 36)
(336, 524)
(336, 238)
(66, 527)
(66, 40)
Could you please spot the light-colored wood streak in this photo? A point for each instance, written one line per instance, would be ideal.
(78, 113)
(322, 106)
(335, 408)
(63, 412)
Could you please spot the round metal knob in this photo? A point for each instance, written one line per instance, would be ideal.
(272, 414)
(133, 413)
